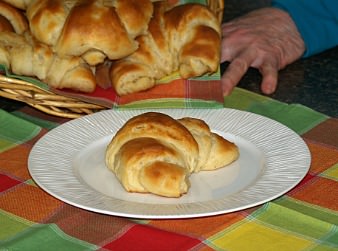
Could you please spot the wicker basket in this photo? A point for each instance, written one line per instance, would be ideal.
(58, 105)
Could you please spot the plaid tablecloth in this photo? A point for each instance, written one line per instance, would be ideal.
(305, 218)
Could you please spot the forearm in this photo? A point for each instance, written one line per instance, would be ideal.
(316, 20)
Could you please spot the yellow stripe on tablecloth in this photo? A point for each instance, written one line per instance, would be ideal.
(331, 173)
(253, 234)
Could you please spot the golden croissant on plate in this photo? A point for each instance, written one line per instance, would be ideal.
(155, 153)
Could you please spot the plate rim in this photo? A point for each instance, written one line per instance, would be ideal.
(165, 212)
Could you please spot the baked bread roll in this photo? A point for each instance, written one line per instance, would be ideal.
(91, 29)
(20, 4)
(214, 150)
(222, 153)
(25, 56)
(158, 126)
(155, 153)
(202, 134)
(145, 164)
(5, 25)
(128, 45)
(11, 19)
(68, 38)
(185, 38)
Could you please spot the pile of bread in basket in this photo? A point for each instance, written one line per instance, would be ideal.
(127, 45)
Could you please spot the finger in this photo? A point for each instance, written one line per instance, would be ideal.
(232, 46)
(236, 70)
(236, 43)
(227, 28)
(270, 78)
(227, 84)
(227, 51)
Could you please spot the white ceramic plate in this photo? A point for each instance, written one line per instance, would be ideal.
(68, 163)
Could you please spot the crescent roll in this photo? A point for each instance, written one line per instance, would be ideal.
(155, 153)
(185, 38)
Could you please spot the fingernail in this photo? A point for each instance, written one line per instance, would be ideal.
(269, 89)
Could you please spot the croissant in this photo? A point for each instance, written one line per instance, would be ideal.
(20, 4)
(11, 19)
(25, 56)
(145, 164)
(92, 29)
(155, 153)
(68, 38)
(185, 38)
(127, 44)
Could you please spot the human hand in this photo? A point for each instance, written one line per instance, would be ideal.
(266, 39)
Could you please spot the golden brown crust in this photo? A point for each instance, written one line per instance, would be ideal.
(130, 78)
(72, 73)
(161, 127)
(202, 134)
(189, 27)
(46, 20)
(134, 14)
(20, 4)
(185, 38)
(146, 165)
(5, 25)
(222, 153)
(12, 17)
(200, 55)
(165, 179)
(139, 71)
(214, 151)
(28, 57)
(91, 29)
(152, 153)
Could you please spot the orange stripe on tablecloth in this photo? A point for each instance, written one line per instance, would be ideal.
(205, 227)
(313, 191)
(176, 89)
(29, 202)
(209, 90)
(323, 157)
(107, 97)
(88, 226)
(17, 166)
(312, 188)
(206, 90)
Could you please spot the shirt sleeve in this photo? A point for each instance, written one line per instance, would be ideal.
(316, 20)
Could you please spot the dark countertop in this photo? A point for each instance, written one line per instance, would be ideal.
(312, 82)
